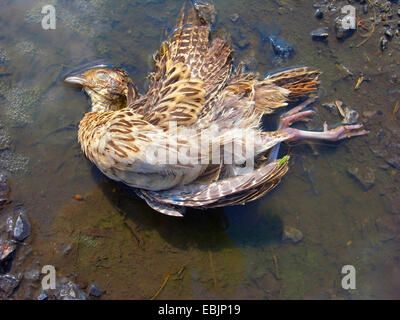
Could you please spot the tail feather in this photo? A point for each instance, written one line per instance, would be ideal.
(235, 190)
(299, 81)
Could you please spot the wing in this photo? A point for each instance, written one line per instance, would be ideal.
(187, 71)
(231, 191)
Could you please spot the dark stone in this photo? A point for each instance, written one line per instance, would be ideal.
(318, 14)
(43, 296)
(7, 247)
(94, 291)
(383, 43)
(234, 17)
(281, 47)
(21, 228)
(340, 31)
(320, 34)
(389, 33)
(394, 161)
(8, 283)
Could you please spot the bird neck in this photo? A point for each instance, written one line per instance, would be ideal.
(100, 103)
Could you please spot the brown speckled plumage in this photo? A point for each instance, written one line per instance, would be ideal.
(195, 86)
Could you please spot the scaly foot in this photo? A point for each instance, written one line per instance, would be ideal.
(294, 115)
(339, 133)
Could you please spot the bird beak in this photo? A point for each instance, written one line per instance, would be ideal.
(77, 79)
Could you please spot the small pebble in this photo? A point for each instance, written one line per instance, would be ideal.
(22, 227)
(383, 43)
(291, 234)
(320, 34)
(94, 291)
(319, 14)
(43, 296)
(389, 33)
(8, 283)
(234, 17)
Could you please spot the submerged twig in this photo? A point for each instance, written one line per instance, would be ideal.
(368, 36)
(395, 109)
(178, 273)
(162, 286)
(131, 227)
(276, 273)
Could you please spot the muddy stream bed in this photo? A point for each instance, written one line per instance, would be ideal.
(339, 204)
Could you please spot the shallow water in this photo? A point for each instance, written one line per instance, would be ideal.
(232, 253)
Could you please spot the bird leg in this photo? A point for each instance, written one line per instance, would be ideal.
(294, 115)
(339, 133)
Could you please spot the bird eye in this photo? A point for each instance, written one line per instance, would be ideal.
(101, 75)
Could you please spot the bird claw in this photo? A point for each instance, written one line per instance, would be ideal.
(294, 115)
(345, 131)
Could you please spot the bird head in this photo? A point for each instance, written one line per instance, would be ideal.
(106, 87)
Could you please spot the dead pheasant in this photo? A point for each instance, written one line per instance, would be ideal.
(185, 143)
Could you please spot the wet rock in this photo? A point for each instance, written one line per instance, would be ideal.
(19, 225)
(340, 31)
(320, 34)
(43, 296)
(351, 116)
(291, 234)
(33, 275)
(394, 161)
(94, 291)
(389, 33)
(365, 176)
(4, 190)
(234, 17)
(8, 283)
(319, 13)
(281, 47)
(69, 291)
(7, 247)
(383, 43)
